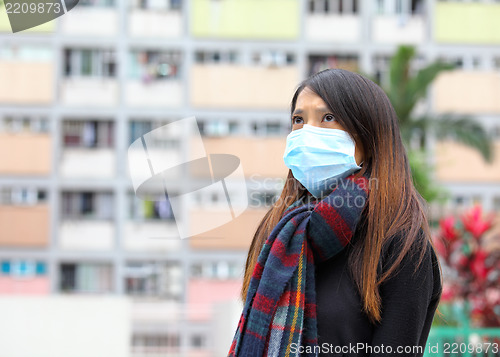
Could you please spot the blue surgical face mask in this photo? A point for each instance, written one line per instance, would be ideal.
(318, 157)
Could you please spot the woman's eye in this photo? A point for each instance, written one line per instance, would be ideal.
(297, 120)
(329, 117)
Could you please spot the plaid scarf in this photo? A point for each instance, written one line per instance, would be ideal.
(279, 315)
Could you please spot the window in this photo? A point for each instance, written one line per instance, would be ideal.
(476, 62)
(155, 343)
(160, 135)
(271, 128)
(88, 133)
(400, 7)
(496, 63)
(210, 57)
(5, 267)
(27, 124)
(216, 270)
(26, 53)
(93, 205)
(214, 127)
(458, 61)
(156, 279)
(86, 277)
(138, 129)
(23, 268)
(155, 65)
(197, 341)
(417, 7)
(318, 63)
(341, 7)
(381, 67)
(22, 195)
(41, 268)
(89, 63)
(155, 208)
(261, 199)
(157, 5)
(496, 203)
(273, 58)
(477, 200)
(96, 3)
(196, 271)
(496, 132)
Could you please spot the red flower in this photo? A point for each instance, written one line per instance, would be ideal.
(448, 293)
(459, 260)
(478, 266)
(474, 223)
(448, 230)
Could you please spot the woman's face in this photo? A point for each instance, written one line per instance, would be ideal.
(311, 109)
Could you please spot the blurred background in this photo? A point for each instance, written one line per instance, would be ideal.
(88, 269)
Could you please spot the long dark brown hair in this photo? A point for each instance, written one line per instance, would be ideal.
(394, 205)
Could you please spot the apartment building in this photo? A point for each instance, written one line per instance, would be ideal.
(76, 92)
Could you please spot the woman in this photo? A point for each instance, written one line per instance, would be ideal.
(343, 263)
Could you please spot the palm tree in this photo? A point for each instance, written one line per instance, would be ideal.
(405, 90)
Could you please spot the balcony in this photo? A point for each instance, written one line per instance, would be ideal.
(328, 27)
(248, 149)
(88, 150)
(166, 93)
(149, 23)
(65, 325)
(204, 294)
(89, 77)
(459, 164)
(89, 91)
(235, 235)
(151, 236)
(38, 285)
(245, 19)
(24, 277)
(24, 226)
(87, 163)
(469, 22)
(399, 29)
(86, 235)
(87, 221)
(468, 92)
(26, 82)
(220, 86)
(33, 153)
(76, 21)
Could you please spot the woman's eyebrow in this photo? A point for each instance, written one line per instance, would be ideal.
(320, 109)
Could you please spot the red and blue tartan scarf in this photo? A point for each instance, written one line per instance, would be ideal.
(279, 314)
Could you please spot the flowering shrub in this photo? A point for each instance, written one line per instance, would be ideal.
(472, 272)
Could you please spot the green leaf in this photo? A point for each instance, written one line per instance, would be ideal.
(422, 178)
(467, 131)
(405, 91)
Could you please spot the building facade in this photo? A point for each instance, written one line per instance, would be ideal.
(77, 91)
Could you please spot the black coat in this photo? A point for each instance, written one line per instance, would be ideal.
(408, 306)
